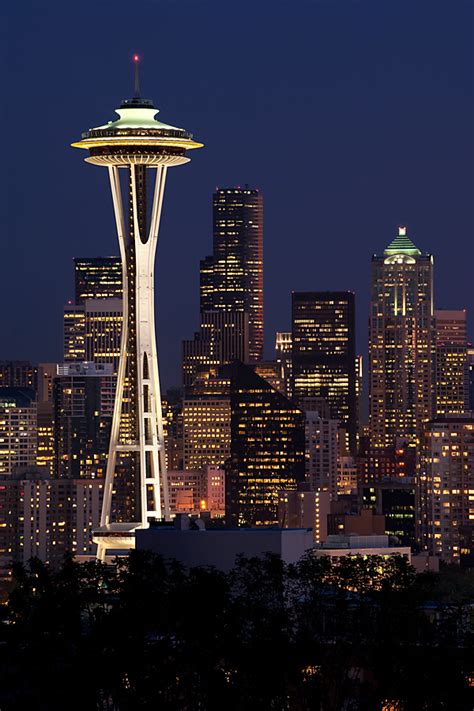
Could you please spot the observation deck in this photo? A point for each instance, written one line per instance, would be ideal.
(137, 137)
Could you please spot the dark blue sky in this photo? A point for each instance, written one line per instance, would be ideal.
(352, 117)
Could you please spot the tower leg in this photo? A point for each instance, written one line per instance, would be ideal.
(138, 365)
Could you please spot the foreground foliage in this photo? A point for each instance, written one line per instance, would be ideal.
(147, 634)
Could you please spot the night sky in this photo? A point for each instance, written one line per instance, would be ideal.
(351, 117)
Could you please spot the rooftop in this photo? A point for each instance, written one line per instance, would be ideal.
(402, 244)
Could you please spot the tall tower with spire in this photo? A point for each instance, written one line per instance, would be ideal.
(401, 343)
(137, 151)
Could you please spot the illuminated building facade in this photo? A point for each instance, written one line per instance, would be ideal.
(324, 358)
(395, 500)
(17, 374)
(269, 370)
(18, 429)
(452, 376)
(83, 395)
(45, 452)
(267, 448)
(137, 151)
(232, 278)
(283, 356)
(374, 464)
(74, 333)
(321, 452)
(195, 492)
(401, 343)
(206, 430)
(346, 476)
(445, 506)
(46, 518)
(173, 433)
(305, 508)
(103, 330)
(97, 278)
(223, 337)
(92, 331)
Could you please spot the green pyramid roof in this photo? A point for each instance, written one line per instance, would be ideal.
(402, 244)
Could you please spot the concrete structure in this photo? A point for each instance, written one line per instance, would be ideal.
(305, 508)
(192, 545)
(401, 343)
(139, 147)
(232, 278)
(445, 505)
(324, 356)
(18, 429)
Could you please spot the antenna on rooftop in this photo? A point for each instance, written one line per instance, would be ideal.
(136, 62)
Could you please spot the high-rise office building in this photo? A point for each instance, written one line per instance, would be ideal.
(97, 278)
(74, 333)
(452, 376)
(103, 330)
(206, 429)
(264, 442)
(92, 331)
(269, 370)
(321, 452)
(223, 337)
(283, 356)
(17, 374)
(232, 278)
(18, 429)
(401, 343)
(83, 395)
(445, 507)
(324, 357)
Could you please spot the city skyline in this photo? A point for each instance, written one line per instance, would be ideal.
(388, 148)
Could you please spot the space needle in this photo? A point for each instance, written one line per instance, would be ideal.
(137, 151)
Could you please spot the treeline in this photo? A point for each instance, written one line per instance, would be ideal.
(360, 634)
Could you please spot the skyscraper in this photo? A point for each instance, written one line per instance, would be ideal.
(255, 431)
(283, 357)
(83, 396)
(232, 278)
(452, 376)
(143, 148)
(97, 278)
(446, 488)
(18, 429)
(324, 357)
(401, 343)
(223, 337)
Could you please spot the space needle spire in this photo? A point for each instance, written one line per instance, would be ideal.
(137, 151)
